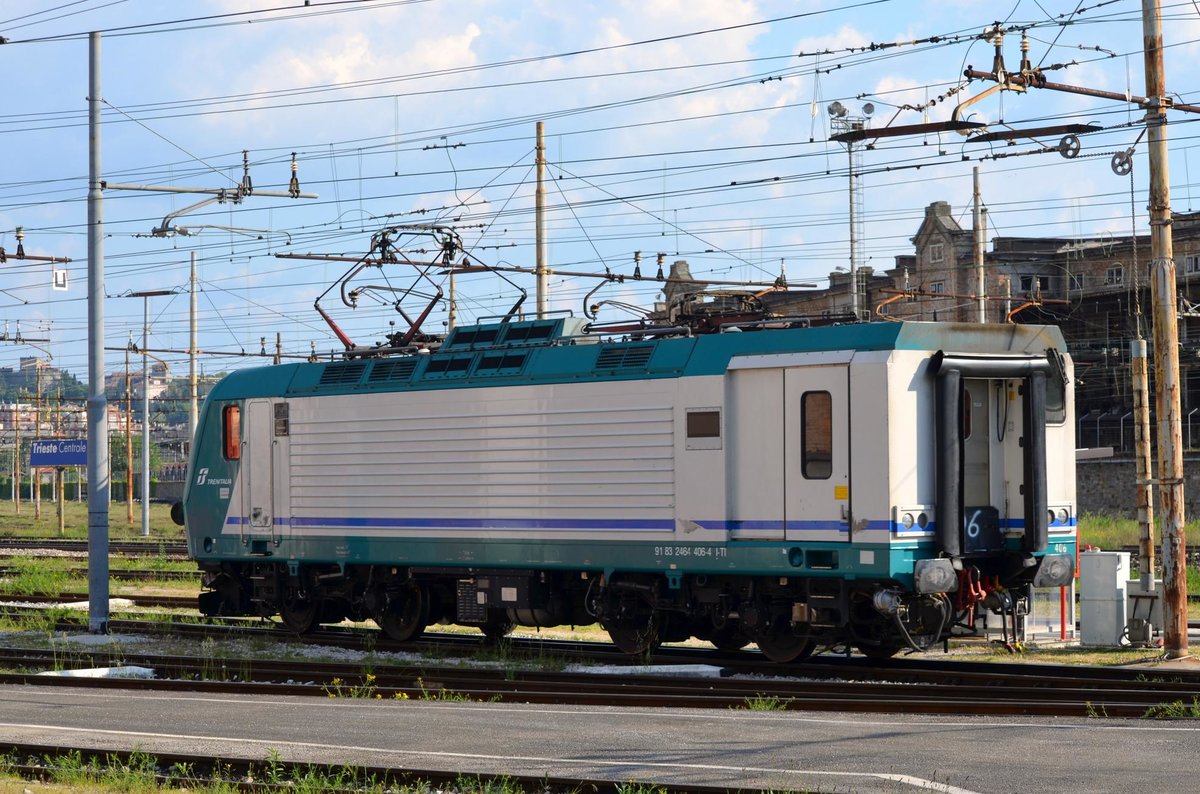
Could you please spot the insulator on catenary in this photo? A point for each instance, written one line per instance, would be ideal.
(294, 184)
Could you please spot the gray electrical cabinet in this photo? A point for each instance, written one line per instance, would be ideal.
(1104, 597)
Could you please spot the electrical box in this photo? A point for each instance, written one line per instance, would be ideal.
(1145, 612)
(1104, 597)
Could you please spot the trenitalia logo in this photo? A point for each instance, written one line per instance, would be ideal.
(202, 478)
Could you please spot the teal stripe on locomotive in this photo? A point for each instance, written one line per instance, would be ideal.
(743, 557)
(556, 359)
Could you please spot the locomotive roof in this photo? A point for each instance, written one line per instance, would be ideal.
(545, 351)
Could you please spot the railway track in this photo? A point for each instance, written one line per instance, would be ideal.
(354, 638)
(125, 574)
(171, 549)
(189, 771)
(821, 684)
(138, 599)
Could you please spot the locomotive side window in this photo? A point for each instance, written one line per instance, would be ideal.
(231, 433)
(816, 411)
(704, 429)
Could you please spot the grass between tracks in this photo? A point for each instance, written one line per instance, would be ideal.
(27, 524)
(143, 773)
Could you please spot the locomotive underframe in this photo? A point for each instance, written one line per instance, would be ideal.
(787, 616)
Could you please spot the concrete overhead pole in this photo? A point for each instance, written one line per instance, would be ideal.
(145, 417)
(980, 244)
(97, 405)
(543, 275)
(1166, 343)
(193, 349)
(146, 295)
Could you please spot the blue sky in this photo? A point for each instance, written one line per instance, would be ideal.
(681, 128)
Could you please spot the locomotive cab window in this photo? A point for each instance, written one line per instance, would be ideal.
(231, 432)
(704, 429)
(1056, 400)
(966, 413)
(816, 417)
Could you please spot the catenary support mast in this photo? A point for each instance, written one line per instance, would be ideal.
(1166, 342)
(97, 405)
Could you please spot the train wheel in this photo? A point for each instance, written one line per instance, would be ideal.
(781, 644)
(729, 638)
(496, 629)
(299, 613)
(405, 616)
(635, 640)
(879, 652)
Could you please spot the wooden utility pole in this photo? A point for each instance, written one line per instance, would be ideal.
(1166, 342)
(1143, 459)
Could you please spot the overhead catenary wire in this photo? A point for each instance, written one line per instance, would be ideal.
(718, 195)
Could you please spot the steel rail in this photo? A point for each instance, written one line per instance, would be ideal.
(243, 773)
(165, 548)
(908, 668)
(1030, 693)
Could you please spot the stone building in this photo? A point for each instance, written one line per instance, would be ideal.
(1095, 289)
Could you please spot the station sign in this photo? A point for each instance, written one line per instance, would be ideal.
(58, 452)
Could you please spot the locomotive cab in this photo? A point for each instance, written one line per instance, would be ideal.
(991, 451)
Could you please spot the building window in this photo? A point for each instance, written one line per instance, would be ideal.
(1115, 275)
(231, 432)
(937, 286)
(1078, 282)
(816, 411)
(1191, 264)
(1033, 283)
(937, 252)
(703, 429)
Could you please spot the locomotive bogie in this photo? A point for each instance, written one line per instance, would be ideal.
(863, 485)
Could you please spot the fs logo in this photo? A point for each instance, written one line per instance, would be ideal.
(202, 478)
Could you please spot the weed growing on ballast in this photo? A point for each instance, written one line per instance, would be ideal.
(761, 702)
(1178, 710)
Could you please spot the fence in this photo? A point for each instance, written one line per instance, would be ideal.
(1115, 429)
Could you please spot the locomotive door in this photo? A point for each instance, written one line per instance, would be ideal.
(817, 452)
(258, 469)
(754, 454)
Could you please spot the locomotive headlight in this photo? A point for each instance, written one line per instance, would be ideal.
(907, 520)
(1055, 570)
(935, 576)
(1064, 516)
(922, 521)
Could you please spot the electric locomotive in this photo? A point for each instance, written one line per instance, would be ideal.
(867, 485)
